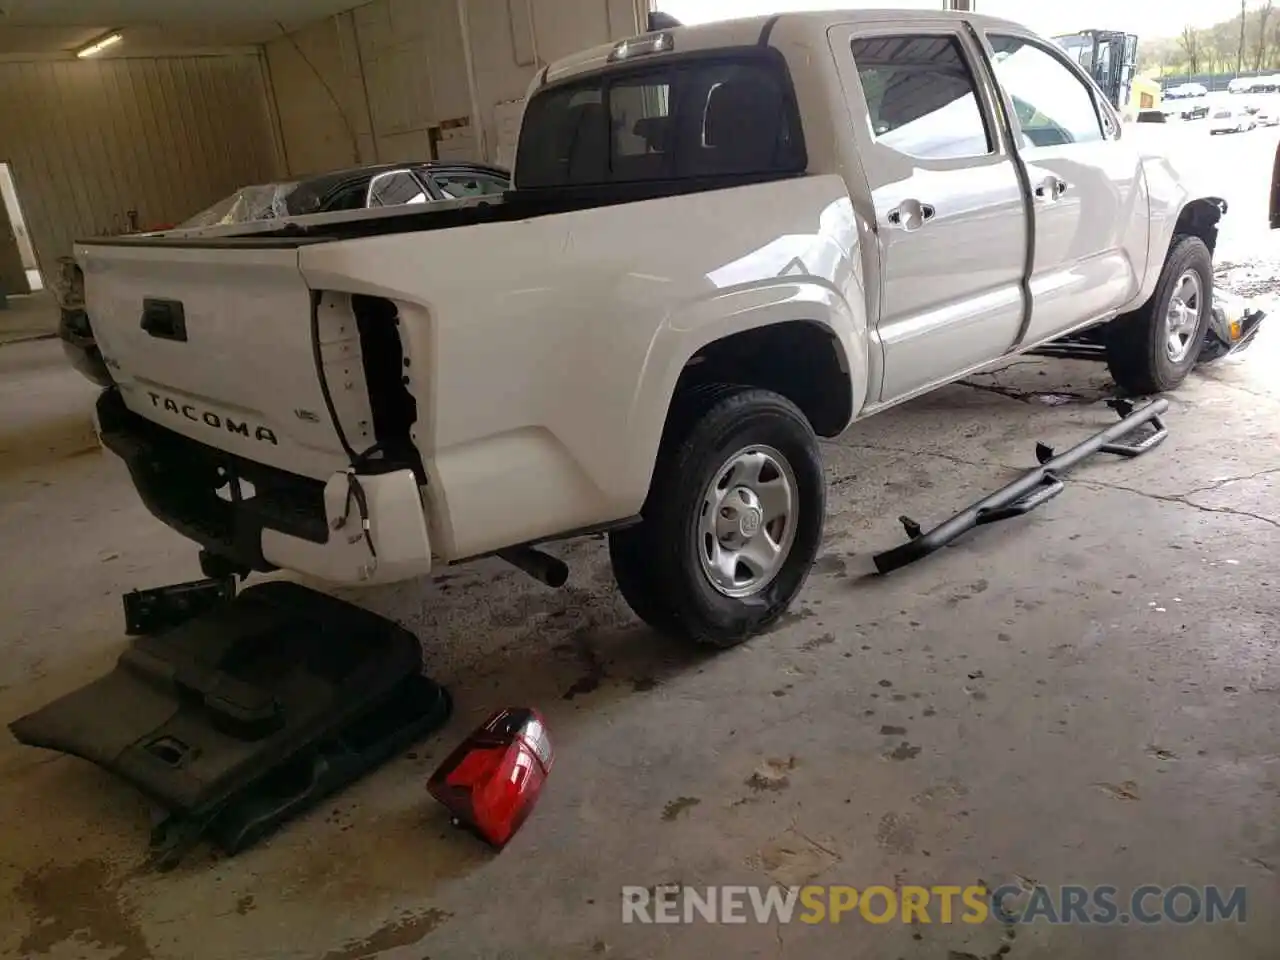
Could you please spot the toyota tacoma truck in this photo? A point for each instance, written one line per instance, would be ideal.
(722, 243)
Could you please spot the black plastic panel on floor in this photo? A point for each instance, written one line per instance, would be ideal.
(244, 716)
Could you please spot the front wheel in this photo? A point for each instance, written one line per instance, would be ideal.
(1154, 348)
(733, 519)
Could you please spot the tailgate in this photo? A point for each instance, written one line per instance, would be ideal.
(215, 344)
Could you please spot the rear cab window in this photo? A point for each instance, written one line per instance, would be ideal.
(690, 117)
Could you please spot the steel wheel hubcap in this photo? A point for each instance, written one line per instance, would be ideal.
(747, 524)
(1183, 316)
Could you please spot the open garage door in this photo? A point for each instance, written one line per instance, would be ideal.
(13, 275)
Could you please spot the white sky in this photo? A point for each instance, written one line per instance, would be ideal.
(1147, 18)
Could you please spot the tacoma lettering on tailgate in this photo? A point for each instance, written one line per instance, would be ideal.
(211, 419)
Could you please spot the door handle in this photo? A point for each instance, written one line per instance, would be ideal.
(911, 214)
(1051, 189)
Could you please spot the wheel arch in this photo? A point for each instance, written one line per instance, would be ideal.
(1174, 212)
(1199, 218)
(708, 340)
(817, 382)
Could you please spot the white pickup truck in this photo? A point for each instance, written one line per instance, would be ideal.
(723, 242)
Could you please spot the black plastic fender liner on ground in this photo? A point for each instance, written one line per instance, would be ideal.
(1033, 489)
(245, 715)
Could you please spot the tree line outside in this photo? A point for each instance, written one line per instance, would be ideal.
(1248, 43)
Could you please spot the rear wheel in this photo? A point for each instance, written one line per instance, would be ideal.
(1154, 348)
(733, 519)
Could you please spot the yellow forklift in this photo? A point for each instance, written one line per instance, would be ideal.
(1111, 58)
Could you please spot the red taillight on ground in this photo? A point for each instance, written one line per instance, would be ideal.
(491, 782)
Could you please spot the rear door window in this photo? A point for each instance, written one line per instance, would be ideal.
(700, 117)
(921, 96)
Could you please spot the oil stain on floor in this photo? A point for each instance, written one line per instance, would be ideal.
(404, 931)
(79, 902)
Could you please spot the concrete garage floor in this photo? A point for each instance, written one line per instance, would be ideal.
(1087, 696)
(28, 317)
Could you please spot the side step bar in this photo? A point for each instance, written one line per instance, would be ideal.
(1034, 488)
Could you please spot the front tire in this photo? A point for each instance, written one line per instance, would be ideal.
(733, 519)
(1154, 348)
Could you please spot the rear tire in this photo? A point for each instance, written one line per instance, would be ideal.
(635, 581)
(1141, 350)
(733, 519)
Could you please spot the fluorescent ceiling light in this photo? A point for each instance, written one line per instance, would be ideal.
(95, 48)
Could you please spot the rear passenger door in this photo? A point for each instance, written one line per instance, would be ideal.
(1087, 189)
(950, 214)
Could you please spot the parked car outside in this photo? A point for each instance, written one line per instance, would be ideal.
(1267, 115)
(1227, 118)
(1189, 101)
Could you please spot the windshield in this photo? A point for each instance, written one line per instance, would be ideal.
(262, 202)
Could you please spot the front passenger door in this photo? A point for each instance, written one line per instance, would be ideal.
(1087, 189)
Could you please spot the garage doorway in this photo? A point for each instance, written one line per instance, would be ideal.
(19, 271)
